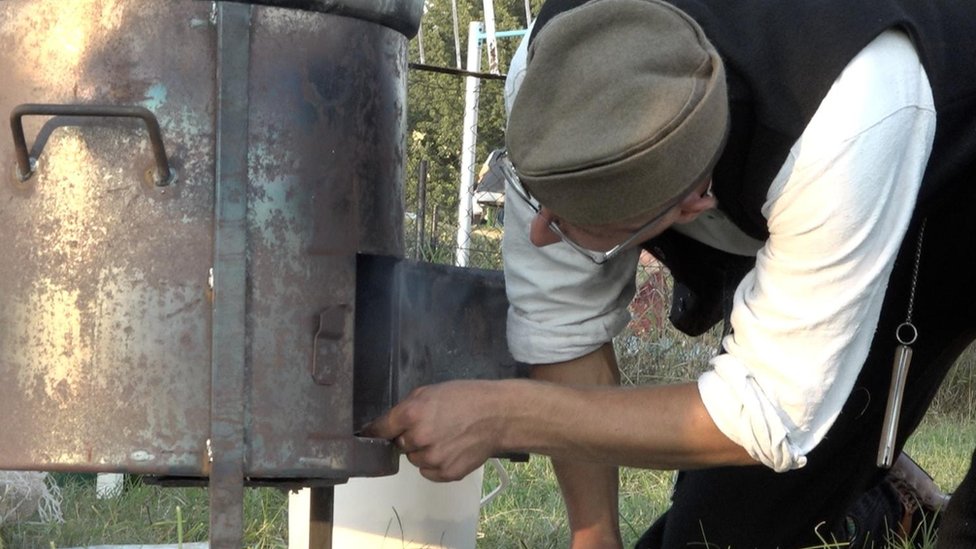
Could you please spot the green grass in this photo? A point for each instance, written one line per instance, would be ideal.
(943, 446)
(147, 514)
(530, 513)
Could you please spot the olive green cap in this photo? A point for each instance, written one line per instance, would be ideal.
(622, 111)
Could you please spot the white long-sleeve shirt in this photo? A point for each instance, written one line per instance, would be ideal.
(804, 318)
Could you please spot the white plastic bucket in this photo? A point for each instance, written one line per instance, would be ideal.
(403, 511)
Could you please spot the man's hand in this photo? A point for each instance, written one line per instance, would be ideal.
(450, 429)
(446, 430)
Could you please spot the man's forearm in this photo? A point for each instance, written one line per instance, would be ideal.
(589, 489)
(659, 427)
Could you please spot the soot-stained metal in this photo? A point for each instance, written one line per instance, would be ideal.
(203, 220)
(400, 15)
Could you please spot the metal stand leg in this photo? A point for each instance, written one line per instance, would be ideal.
(310, 518)
(226, 508)
(320, 518)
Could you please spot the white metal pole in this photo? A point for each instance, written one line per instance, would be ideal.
(491, 39)
(469, 140)
(420, 43)
(457, 38)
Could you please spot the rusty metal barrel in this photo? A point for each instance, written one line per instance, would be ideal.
(184, 190)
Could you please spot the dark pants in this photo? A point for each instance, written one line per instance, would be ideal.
(754, 507)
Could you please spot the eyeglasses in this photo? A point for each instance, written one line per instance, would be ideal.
(511, 176)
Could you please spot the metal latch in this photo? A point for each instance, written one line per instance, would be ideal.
(333, 345)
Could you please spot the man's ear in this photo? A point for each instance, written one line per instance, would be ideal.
(696, 203)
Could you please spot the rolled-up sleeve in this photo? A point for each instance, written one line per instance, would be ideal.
(804, 319)
(562, 305)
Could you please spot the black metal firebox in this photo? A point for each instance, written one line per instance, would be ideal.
(201, 204)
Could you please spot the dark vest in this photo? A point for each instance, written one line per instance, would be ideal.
(781, 58)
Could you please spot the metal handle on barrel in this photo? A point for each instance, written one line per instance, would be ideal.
(25, 168)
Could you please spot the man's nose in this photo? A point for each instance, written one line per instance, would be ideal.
(539, 232)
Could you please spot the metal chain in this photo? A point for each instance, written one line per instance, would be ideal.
(911, 294)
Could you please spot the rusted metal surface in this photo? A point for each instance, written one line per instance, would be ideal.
(209, 329)
(325, 182)
(229, 354)
(104, 293)
(107, 316)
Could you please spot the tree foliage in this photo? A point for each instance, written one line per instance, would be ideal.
(436, 101)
